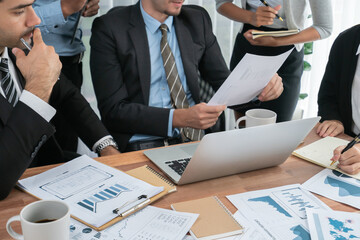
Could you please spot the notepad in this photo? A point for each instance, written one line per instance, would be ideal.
(321, 151)
(215, 221)
(93, 190)
(257, 33)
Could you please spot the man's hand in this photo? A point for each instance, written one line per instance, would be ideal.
(272, 90)
(199, 116)
(70, 7)
(40, 68)
(330, 128)
(92, 8)
(264, 16)
(110, 150)
(349, 161)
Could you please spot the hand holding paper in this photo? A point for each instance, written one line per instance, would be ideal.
(252, 74)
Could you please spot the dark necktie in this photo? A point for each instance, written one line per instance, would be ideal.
(7, 83)
(177, 93)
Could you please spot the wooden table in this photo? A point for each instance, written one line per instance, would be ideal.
(294, 170)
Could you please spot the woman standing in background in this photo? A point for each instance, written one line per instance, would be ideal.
(255, 15)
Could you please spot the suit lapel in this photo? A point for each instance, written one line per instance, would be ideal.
(187, 56)
(141, 46)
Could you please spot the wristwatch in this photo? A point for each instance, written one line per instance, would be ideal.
(105, 143)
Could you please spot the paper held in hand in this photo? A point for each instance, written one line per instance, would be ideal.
(248, 79)
(257, 33)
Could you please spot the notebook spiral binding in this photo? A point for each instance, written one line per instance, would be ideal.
(159, 175)
(227, 210)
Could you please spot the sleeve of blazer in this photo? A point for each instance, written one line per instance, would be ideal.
(68, 100)
(119, 111)
(328, 99)
(21, 136)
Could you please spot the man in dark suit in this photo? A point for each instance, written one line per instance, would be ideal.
(130, 58)
(31, 94)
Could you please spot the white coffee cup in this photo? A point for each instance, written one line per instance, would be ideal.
(257, 117)
(42, 220)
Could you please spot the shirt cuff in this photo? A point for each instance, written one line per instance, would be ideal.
(38, 105)
(170, 128)
(99, 141)
(50, 14)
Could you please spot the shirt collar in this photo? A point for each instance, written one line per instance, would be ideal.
(152, 24)
(5, 53)
(358, 51)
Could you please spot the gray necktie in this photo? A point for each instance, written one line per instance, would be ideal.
(178, 96)
(7, 83)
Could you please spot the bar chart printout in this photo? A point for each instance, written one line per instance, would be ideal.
(278, 213)
(92, 190)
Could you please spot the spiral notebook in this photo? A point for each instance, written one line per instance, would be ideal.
(214, 221)
(94, 190)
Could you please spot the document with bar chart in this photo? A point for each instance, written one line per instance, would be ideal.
(92, 189)
(278, 213)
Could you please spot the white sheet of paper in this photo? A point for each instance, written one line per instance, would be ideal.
(277, 213)
(333, 225)
(248, 79)
(92, 189)
(149, 223)
(335, 185)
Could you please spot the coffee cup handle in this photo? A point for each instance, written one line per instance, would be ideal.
(239, 120)
(9, 229)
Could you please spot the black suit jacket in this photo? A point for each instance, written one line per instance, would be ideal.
(120, 68)
(26, 138)
(334, 98)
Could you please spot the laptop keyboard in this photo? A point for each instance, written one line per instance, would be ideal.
(178, 165)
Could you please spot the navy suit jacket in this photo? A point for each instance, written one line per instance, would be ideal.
(120, 68)
(334, 98)
(26, 139)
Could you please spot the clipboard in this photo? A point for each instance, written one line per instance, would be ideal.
(149, 175)
(38, 189)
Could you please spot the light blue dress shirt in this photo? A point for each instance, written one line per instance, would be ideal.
(56, 30)
(159, 90)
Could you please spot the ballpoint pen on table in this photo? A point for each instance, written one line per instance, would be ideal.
(266, 4)
(350, 144)
(146, 200)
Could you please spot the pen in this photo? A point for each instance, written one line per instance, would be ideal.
(350, 144)
(78, 21)
(127, 212)
(116, 210)
(25, 44)
(266, 4)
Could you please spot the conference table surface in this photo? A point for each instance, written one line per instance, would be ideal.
(294, 170)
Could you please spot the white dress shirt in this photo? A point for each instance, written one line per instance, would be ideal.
(38, 105)
(355, 98)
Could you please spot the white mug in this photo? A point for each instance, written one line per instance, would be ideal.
(42, 220)
(256, 117)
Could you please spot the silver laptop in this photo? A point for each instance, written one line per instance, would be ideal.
(230, 152)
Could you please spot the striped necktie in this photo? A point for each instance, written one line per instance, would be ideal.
(7, 83)
(177, 93)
